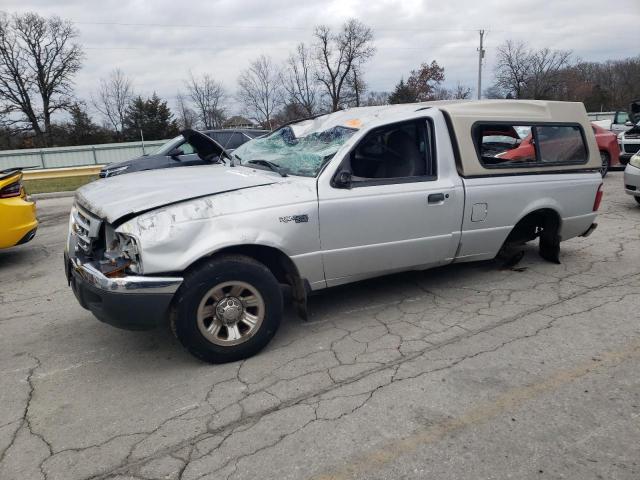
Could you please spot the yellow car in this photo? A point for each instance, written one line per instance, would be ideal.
(18, 222)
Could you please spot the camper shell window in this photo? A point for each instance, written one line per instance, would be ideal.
(512, 145)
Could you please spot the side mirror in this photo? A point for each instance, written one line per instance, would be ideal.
(176, 152)
(343, 180)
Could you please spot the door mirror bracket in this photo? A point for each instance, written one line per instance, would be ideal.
(175, 153)
(343, 179)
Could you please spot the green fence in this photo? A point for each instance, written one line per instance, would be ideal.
(57, 157)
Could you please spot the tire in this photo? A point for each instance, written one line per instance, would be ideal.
(606, 163)
(218, 302)
(637, 200)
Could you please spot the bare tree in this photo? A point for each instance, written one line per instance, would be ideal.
(546, 72)
(112, 99)
(355, 87)
(207, 96)
(38, 60)
(494, 92)
(512, 68)
(187, 118)
(299, 80)
(461, 92)
(527, 73)
(260, 90)
(338, 54)
(376, 98)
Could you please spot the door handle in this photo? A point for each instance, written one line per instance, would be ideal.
(436, 197)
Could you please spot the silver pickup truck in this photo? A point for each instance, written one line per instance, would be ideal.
(326, 201)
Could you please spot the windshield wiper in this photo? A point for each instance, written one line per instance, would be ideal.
(270, 165)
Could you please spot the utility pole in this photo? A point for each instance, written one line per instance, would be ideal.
(480, 57)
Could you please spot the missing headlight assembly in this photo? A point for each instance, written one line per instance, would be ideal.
(121, 254)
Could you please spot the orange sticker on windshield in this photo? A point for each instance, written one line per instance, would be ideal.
(354, 123)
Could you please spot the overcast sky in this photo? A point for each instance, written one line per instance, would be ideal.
(156, 43)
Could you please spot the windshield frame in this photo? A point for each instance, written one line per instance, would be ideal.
(166, 147)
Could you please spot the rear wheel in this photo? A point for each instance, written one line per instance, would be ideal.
(227, 309)
(606, 163)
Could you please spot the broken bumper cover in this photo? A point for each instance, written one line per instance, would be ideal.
(129, 302)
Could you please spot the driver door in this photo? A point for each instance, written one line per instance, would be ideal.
(398, 212)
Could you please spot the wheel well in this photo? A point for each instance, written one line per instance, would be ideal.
(275, 260)
(544, 221)
(280, 265)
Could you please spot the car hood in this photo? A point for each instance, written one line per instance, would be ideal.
(116, 197)
(145, 162)
(633, 131)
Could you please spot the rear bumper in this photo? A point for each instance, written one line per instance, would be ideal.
(18, 222)
(590, 230)
(632, 180)
(28, 236)
(129, 302)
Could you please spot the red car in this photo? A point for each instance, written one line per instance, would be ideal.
(608, 146)
(524, 151)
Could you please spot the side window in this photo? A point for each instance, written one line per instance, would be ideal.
(509, 145)
(561, 145)
(236, 140)
(187, 148)
(222, 138)
(402, 150)
(622, 118)
(499, 144)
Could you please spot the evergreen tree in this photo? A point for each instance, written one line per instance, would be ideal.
(152, 116)
(403, 93)
(80, 129)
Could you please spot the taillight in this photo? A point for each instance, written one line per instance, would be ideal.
(596, 203)
(11, 190)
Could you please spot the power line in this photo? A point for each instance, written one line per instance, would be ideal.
(232, 47)
(266, 27)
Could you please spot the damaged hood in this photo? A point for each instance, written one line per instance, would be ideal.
(116, 197)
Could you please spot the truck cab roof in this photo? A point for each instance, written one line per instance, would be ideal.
(462, 117)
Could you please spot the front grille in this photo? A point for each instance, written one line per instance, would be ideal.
(86, 229)
(631, 147)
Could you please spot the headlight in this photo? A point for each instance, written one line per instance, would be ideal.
(635, 160)
(70, 246)
(110, 172)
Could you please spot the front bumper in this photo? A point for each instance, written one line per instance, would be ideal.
(632, 180)
(625, 157)
(129, 302)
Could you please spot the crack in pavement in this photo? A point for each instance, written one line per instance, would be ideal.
(232, 426)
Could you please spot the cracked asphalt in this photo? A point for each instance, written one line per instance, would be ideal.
(464, 372)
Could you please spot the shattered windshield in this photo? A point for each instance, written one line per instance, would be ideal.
(304, 155)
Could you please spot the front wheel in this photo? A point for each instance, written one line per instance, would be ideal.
(227, 309)
(605, 163)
